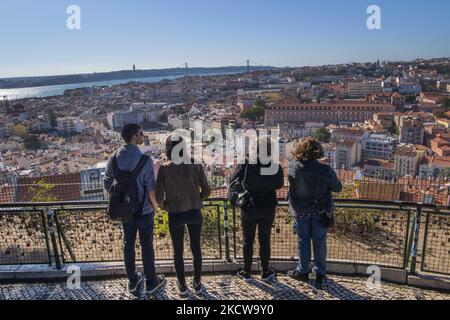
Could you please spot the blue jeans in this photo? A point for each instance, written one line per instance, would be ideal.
(311, 228)
(145, 226)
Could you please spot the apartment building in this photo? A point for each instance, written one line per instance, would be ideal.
(398, 100)
(348, 154)
(378, 146)
(431, 167)
(411, 130)
(441, 144)
(378, 168)
(407, 159)
(362, 89)
(116, 120)
(151, 111)
(70, 125)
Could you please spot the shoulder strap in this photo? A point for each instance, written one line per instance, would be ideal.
(115, 166)
(139, 166)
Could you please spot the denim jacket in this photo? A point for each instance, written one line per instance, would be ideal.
(311, 184)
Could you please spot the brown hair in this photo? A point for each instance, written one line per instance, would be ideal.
(308, 149)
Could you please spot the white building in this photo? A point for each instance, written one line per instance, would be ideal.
(152, 111)
(378, 146)
(116, 120)
(362, 89)
(70, 125)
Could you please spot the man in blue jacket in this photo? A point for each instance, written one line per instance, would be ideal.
(128, 157)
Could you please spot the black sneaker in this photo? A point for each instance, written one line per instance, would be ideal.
(198, 287)
(244, 275)
(294, 274)
(182, 289)
(152, 288)
(133, 286)
(319, 282)
(268, 275)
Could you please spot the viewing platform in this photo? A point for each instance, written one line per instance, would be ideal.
(409, 242)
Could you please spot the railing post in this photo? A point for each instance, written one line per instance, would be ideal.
(226, 230)
(52, 231)
(415, 244)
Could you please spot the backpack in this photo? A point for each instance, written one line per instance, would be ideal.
(124, 203)
(238, 194)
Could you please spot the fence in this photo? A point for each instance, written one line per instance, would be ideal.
(400, 235)
(88, 186)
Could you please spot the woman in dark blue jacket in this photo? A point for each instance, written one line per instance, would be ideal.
(311, 184)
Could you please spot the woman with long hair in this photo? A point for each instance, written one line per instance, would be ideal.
(180, 188)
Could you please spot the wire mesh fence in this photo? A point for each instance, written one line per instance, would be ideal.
(87, 235)
(367, 233)
(363, 236)
(435, 257)
(23, 237)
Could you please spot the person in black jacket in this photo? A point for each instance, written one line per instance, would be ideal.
(260, 214)
(310, 187)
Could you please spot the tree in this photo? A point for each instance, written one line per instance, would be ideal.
(254, 113)
(41, 191)
(31, 142)
(410, 98)
(446, 104)
(323, 135)
(52, 119)
(259, 102)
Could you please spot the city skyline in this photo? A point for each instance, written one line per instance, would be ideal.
(158, 34)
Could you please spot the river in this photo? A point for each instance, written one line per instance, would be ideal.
(47, 91)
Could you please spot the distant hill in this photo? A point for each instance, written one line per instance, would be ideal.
(24, 82)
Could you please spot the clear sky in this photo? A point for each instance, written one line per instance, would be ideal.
(166, 33)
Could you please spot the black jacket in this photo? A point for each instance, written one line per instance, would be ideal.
(311, 184)
(262, 188)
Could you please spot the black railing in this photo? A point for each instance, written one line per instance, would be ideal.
(402, 235)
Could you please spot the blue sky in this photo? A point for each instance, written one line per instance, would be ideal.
(167, 33)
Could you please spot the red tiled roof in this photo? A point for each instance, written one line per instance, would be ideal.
(66, 187)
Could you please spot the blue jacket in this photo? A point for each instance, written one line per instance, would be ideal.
(127, 159)
(311, 184)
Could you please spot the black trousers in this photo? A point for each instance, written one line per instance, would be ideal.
(253, 218)
(177, 221)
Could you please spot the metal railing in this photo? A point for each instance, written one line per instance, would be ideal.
(402, 235)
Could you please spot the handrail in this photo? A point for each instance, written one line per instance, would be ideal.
(399, 204)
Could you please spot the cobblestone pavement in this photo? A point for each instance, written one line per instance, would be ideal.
(224, 287)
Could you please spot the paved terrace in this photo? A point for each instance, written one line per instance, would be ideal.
(225, 287)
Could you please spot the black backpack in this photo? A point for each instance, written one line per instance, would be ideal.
(124, 203)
